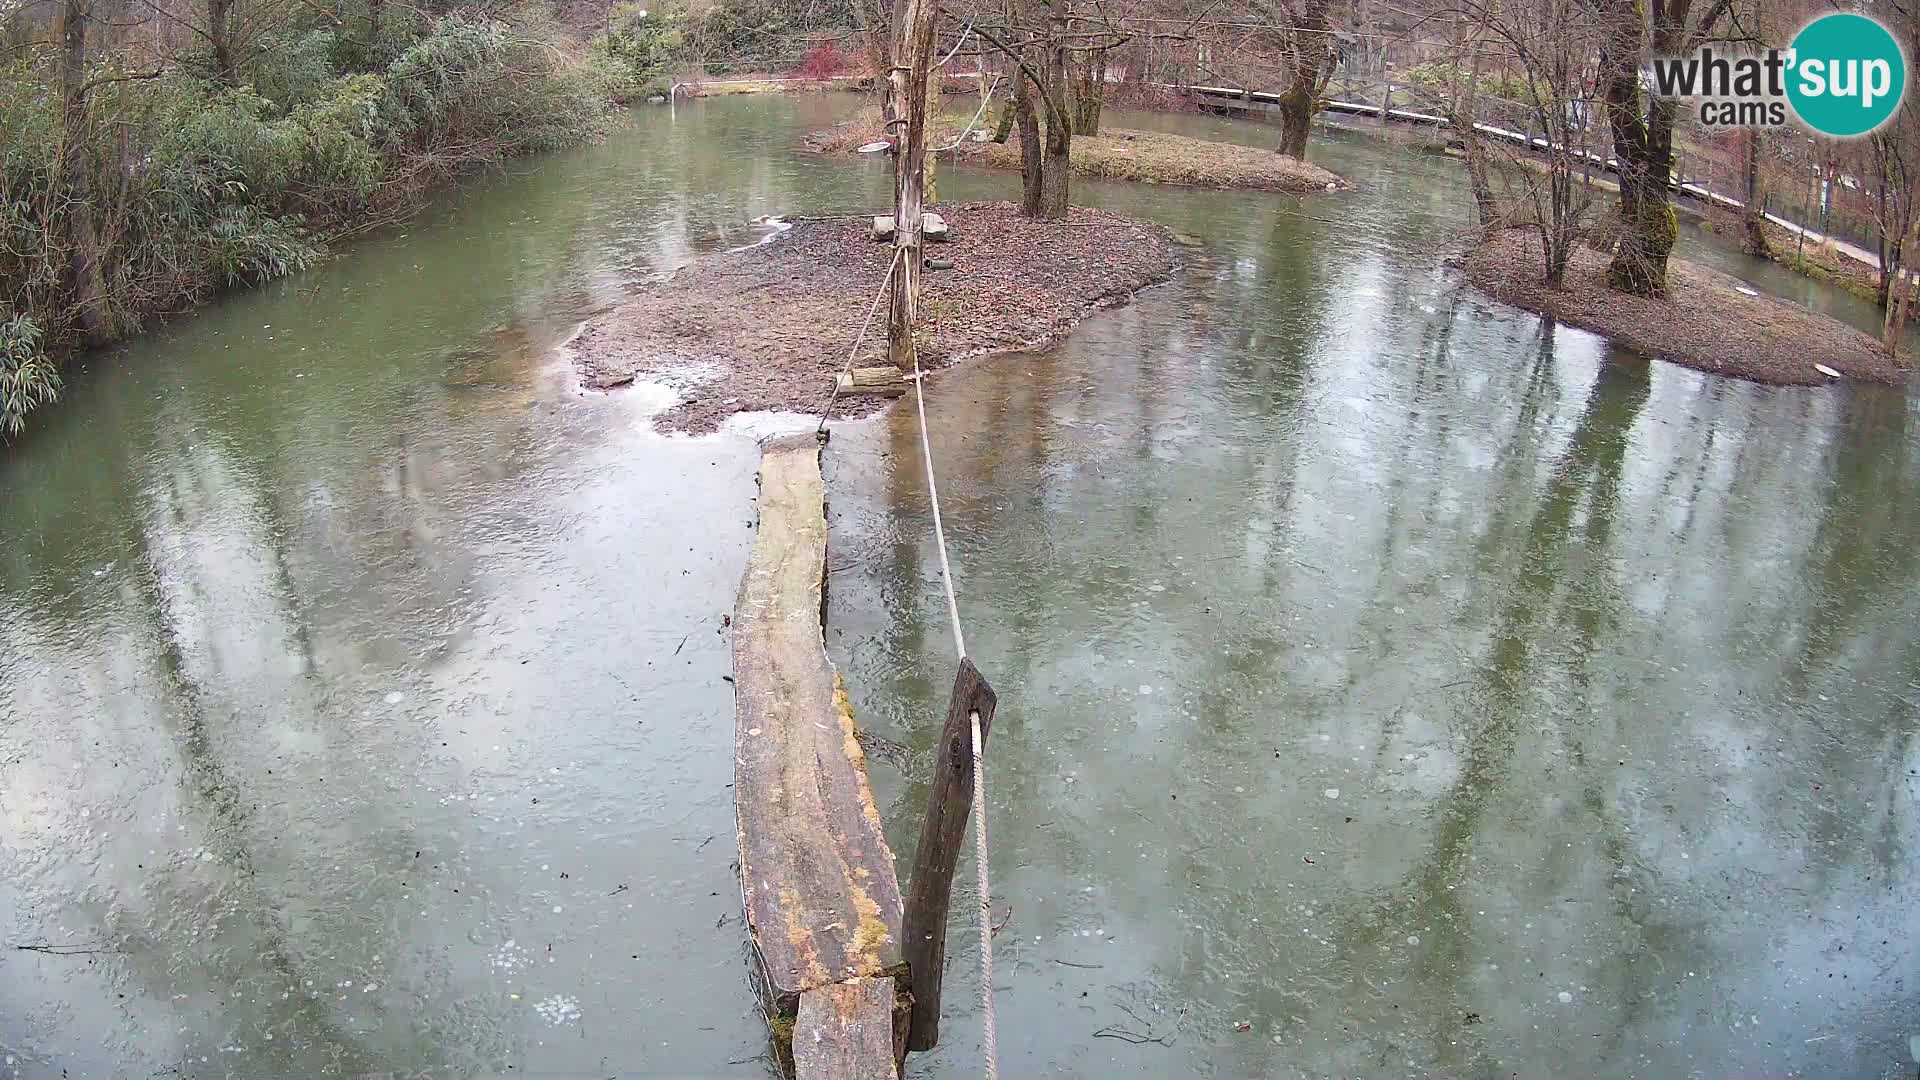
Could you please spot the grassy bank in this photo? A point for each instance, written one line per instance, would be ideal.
(337, 120)
(1115, 154)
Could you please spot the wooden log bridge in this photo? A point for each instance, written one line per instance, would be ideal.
(817, 879)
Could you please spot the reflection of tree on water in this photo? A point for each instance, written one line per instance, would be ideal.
(1855, 595)
(209, 596)
(1557, 564)
(1862, 556)
(206, 781)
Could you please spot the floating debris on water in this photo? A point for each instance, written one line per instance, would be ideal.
(558, 1009)
(508, 957)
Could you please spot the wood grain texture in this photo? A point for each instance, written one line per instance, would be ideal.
(886, 381)
(844, 1031)
(949, 803)
(817, 880)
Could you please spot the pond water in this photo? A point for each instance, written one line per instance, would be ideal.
(1393, 685)
(362, 710)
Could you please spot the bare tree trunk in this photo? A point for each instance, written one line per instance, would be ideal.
(907, 85)
(1753, 227)
(1895, 212)
(876, 38)
(1055, 163)
(1030, 148)
(1643, 146)
(1054, 170)
(1902, 288)
(1309, 52)
(1465, 119)
(220, 36)
(1089, 92)
(86, 277)
(1880, 221)
(892, 106)
(935, 77)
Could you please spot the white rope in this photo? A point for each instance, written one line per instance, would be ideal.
(992, 1038)
(985, 99)
(858, 338)
(933, 495)
(990, 1034)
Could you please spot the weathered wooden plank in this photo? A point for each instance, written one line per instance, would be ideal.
(924, 938)
(844, 1031)
(817, 879)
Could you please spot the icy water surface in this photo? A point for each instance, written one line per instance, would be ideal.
(361, 685)
(1383, 673)
(1393, 685)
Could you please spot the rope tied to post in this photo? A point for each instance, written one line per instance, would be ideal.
(980, 700)
(983, 880)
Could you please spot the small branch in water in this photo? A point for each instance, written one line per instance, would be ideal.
(1136, 1038)
(1071, 964)
(65, 950)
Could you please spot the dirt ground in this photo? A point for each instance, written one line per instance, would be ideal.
(1704, 323)
(768, 327)
(1115, 154)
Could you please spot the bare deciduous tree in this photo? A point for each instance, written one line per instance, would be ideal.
(1642, 124)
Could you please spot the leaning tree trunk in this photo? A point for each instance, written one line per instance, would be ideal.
(1752, 223)
(1643, 146)
(1008, 113)
(86, 278)
(1309, 52)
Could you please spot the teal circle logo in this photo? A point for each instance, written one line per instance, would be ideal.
(1846, 76)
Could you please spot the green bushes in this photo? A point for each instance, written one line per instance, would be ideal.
(28, 379)
(643, 44)
(196, 186)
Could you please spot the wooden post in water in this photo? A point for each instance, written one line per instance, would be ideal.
(923, 928)
(907, 89)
